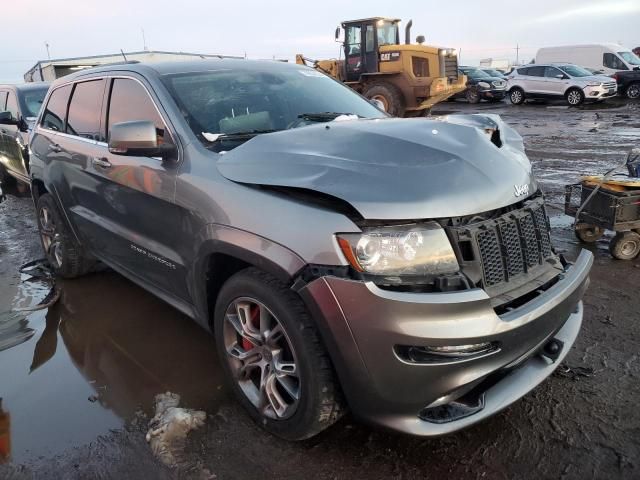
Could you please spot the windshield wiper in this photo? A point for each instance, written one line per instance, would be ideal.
(323, 116)
(217, 137)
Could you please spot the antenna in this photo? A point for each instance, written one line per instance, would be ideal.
(124, 56)
(144, 41)
(46, 44)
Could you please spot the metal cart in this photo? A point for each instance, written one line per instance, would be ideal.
(608, 209)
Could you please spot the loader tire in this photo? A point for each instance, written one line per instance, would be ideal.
(389, 95)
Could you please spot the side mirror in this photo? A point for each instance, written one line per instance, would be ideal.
(138, 139)
(6, 118)
(560, 76)
(378, 104)
(337, 34)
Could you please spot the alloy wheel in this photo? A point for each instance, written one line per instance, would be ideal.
(574, 97)
(262, 358)
(516, 96)
(51, 239)
(633, 91)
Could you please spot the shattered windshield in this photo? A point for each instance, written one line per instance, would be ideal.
(218, 104)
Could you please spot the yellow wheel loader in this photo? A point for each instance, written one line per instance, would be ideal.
(406, 79)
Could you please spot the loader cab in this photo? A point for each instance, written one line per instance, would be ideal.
(362, 39)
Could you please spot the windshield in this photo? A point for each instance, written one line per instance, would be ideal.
(32, 101)
(475, 74)
(493, 73)
(387, 33)
(575, 71)
(630, 58)
(258, 100)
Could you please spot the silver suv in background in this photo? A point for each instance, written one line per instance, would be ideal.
(556, 81)
(403, 265)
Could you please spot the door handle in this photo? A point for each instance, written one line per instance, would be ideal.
(55, 148)
(101, 162)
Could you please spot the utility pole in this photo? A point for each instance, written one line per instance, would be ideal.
(46, 44)
(144, 40)
(517, 49)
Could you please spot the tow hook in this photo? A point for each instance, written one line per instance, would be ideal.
(552, 349)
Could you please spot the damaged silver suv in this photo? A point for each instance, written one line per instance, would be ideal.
(400, 268)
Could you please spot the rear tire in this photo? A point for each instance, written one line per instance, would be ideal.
(625, 245)
(244, 342)
(516, 96)
(633, 91)
(589, 234)
(389, 95)
(574, 97)
(63, 253)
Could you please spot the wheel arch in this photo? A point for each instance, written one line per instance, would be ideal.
(225, 251)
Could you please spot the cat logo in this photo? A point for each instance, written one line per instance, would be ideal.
(521, 189)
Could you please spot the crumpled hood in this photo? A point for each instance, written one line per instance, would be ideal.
(392, 168)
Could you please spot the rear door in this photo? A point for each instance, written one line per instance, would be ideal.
(535, 82)
(129, 208)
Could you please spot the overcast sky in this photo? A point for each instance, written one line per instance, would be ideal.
(282, 28)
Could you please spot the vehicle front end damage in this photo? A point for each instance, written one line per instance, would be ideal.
(449, 302)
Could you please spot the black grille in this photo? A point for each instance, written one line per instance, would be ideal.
(510, 245)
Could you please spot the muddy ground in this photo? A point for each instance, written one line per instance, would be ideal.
(78, 391)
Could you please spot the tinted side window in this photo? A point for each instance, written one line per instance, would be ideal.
(552, 72)
(611, 60)
(536, 72)
(128, 102)
(85, 108)
(12, 105)
(523, 71)
(56, 110)
(3, 101)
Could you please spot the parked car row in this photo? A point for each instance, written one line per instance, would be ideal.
(196, 181)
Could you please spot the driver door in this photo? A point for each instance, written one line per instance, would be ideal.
(354, 60)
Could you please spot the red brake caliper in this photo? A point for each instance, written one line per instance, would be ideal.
(255, 312)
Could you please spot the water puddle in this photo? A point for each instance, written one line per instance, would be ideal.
(92, 361)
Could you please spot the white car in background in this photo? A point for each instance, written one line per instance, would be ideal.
(557, 81)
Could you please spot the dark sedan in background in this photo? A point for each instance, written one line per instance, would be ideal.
(482, 86)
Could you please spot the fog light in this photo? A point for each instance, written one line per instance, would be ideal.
(445, 353)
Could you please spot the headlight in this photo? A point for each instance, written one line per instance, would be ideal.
(594, 84)
(407, 250)
(483, 84)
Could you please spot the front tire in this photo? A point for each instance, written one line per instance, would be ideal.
(390, 96)
(63, 253)
(574, 97)
(273, 357)
(516, 96)
(472, 96)
(633, 91)
(589, 233)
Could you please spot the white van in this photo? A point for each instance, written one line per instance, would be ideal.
(608, 57)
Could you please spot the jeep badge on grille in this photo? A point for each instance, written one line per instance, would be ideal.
(521, 189)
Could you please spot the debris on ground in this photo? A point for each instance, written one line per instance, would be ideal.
(169, 428)
(574, 373)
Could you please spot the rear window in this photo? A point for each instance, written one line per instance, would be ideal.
(536, 71)
(56, 110)
(84, 110)
(523, 71)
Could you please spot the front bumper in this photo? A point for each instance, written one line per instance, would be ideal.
(599, 92)
(493, 93)
(361, 325)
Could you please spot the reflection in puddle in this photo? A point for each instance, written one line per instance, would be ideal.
(98, 356)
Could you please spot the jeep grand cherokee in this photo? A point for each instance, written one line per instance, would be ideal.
(402, 268)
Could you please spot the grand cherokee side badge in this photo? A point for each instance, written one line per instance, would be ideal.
(521, 189)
